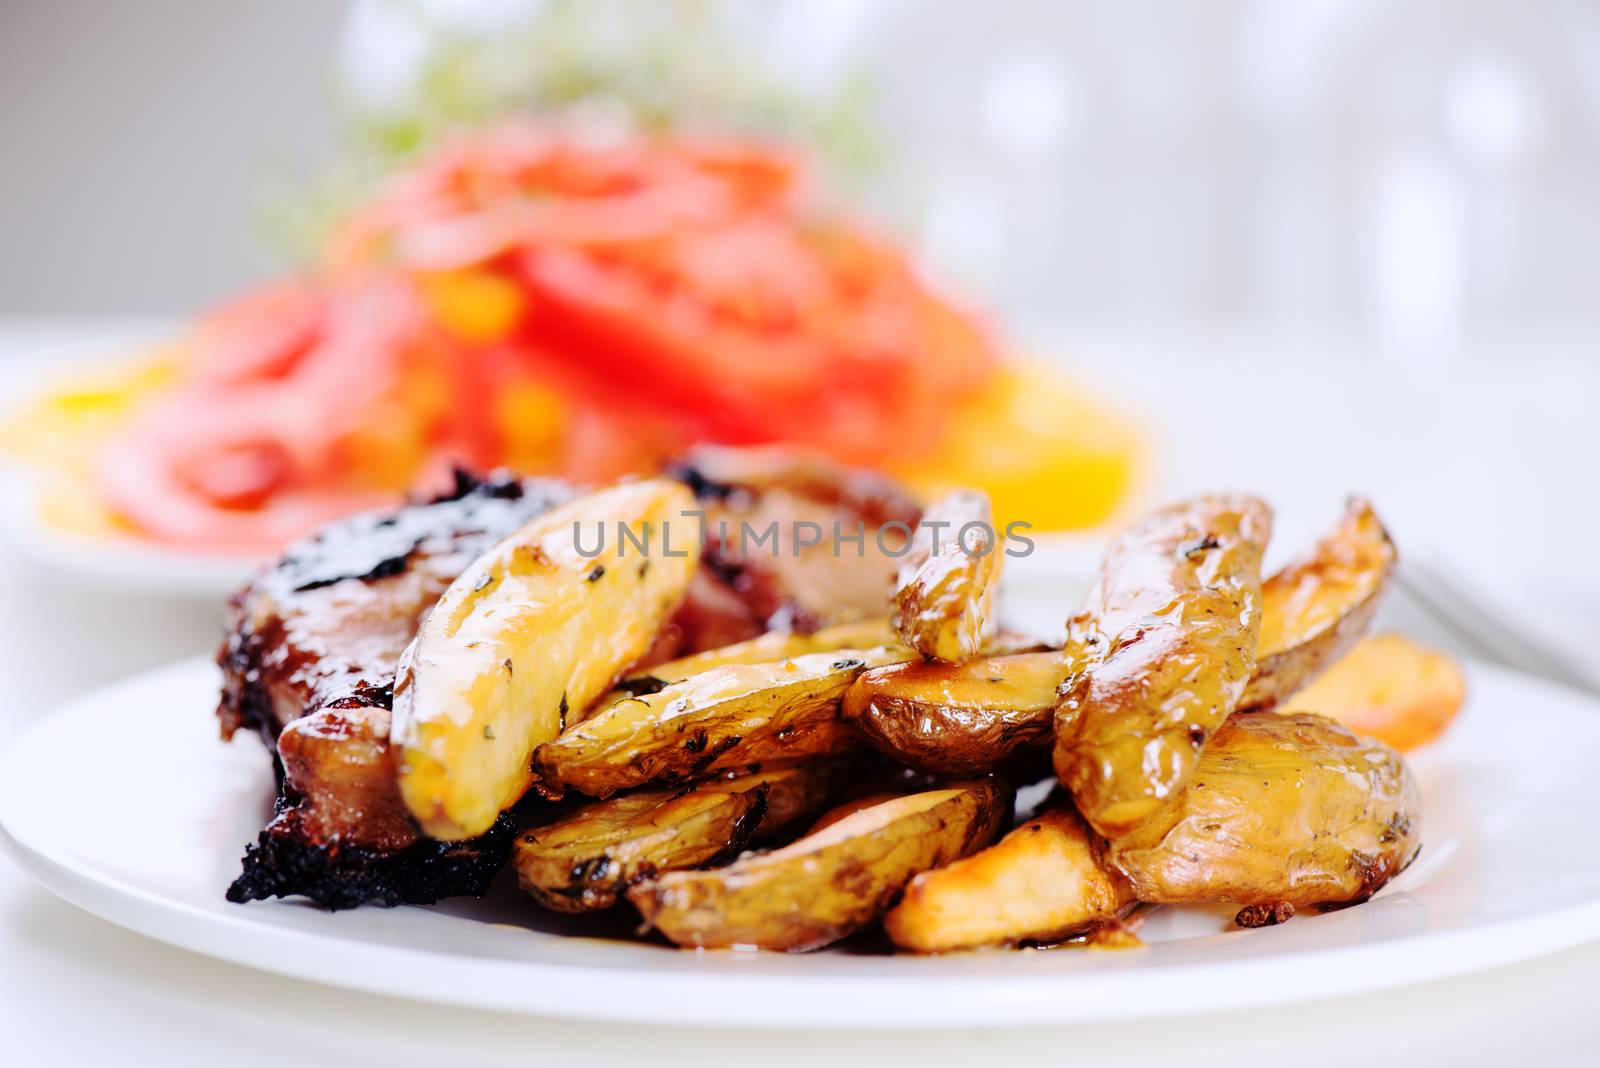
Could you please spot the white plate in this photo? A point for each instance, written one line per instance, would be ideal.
(124, 564)
(126, 804)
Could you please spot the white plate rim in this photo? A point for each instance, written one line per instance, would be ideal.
(114, 561)
(682, 997)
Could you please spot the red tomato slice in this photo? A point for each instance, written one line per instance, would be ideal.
(672, 290)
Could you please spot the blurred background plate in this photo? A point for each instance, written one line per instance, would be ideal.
(117, 565)
(127, 566)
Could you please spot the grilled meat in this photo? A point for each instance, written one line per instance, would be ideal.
(313, 642)
(792, 542)
(309, 661)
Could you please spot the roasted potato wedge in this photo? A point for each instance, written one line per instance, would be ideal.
(529, 631)
(845, 809)
(1167, 642)
(584, 861)
(777, 645)
(1389, 688)
(826, 885)
(1283, 810)
(1316, 609)
(945, 599)
(961, 719)
(729, 717)
(1040, 883)
(967, 718)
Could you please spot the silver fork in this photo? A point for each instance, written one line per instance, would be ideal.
(1438, 591)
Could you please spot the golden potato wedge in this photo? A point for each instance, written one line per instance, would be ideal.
(1316, 609)
(961, 719)
(827, 885)
(777, 645)
(1040, 883)
(1167, 641)
(1285, 810)
(849, 808)
(585, 860)
(1389, 688)
(528, 631)
(729, 717)
(945, 599)
(967, 718)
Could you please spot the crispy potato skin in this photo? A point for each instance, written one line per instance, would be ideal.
(773, 646)
(938, 717)
(1316, 609)
(1283, 809)
(826, 885)
(1389, 688)
(585, 860)
(849, 808)
(726, 718)
(1042, 882)
(1167, 639)
(528, 631)
(962, 719)
(945, 599)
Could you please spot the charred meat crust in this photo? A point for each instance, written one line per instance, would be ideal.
(260, 655)
(285, 861)
(309, 662)
(378, 545)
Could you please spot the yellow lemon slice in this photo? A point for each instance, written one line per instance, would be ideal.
(1045, 451)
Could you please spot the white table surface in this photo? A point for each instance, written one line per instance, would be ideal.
(1483, 461)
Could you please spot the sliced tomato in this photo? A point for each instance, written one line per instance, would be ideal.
(508, 186)
(753, 334)
(261, 336)
(666, 290)
(244, 463)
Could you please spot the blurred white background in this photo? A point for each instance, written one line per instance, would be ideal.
(1316, 246)
(1343, 244)
(1418, 173)
(136, 142)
